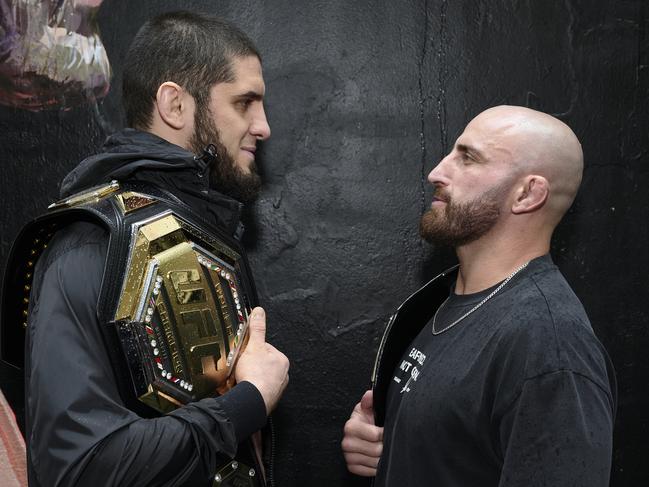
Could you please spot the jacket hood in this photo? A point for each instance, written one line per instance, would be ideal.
(123, 154)
(134, 155)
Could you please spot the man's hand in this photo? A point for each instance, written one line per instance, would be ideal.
(363, 441)
(262, 364)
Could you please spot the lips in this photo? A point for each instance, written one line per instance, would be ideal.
(250, 150)
(440, 196)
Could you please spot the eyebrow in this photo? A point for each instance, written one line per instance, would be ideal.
(470, 149)
(251, 95)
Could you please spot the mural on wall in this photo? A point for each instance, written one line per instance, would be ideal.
(51, 55)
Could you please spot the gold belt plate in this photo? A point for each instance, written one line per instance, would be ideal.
(186, 311)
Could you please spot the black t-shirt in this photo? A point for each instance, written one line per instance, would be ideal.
(518, 393)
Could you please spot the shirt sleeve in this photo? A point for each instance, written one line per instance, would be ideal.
(79, 430)
(558, 432)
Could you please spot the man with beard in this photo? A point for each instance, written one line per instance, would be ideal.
(193, 92)
(501, 381)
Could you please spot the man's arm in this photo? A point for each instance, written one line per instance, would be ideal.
(80, 431)
(558, 432)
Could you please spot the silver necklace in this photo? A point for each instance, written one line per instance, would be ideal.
(487, 298)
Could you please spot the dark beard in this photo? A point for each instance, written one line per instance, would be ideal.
(225, 176)
(458, 224)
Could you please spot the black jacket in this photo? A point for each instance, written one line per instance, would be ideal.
(78, 430)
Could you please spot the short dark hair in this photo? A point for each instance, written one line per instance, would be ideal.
(191, 49)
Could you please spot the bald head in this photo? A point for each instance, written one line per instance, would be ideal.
(536, 143)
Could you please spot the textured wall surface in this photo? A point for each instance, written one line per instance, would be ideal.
(363, 99)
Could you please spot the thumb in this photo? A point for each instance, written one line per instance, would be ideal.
(257, 326)
(367, 401)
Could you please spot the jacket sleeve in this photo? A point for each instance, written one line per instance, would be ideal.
(79, 431)
(558, 432)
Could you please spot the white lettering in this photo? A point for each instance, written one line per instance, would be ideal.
(415, 373)
(405, 366)
(417, 355)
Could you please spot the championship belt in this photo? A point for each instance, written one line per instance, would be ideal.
(173, 307)
(182, 316)
(175, 296)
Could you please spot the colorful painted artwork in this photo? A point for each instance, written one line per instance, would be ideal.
(51, 54)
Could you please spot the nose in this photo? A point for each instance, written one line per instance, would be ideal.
(439, 175)
(259, 126)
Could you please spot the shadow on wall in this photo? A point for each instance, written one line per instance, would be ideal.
(51, 55)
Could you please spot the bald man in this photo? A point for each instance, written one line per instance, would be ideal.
(491, 375)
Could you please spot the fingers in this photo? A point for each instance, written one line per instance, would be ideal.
(257, 327)
(359, 460)
(361, 447)
(362, 455)
(363, 432)
(367, 401)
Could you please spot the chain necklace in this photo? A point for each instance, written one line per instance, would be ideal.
(491, 295)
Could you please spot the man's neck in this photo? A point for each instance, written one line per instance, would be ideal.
(177, 137)
(485, 263)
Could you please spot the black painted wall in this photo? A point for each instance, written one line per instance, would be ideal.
(363, 98)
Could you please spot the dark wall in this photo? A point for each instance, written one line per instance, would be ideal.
(363, 99)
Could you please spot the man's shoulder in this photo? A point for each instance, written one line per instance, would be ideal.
(75, 254)
(545, 302)
(74, 238)
(547, 327)
(69, 271)
(80, 233)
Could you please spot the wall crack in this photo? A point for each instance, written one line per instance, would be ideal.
(422, 119)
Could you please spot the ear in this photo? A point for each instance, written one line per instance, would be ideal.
(172, 104)
(531, 194)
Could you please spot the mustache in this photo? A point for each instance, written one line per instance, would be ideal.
(441, 194)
